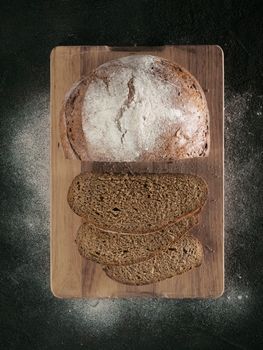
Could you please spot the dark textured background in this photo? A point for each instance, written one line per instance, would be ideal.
(31, 318)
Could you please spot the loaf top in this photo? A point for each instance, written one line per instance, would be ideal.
(139, 203)
(139, 107)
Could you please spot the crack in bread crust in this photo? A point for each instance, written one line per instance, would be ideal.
(125, 106)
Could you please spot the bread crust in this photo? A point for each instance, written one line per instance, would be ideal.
(115, 248)
(66, 146)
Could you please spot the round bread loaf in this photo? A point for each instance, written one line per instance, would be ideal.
(135, 108)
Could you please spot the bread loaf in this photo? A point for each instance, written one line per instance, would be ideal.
(113, 248)
(180, 257)
(135, 203)
(139, 107)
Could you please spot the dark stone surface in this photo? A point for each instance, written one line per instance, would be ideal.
(31, 318)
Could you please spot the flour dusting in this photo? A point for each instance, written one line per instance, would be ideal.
(104, 314)
(131, 113)
(29, 220)
(30, 148)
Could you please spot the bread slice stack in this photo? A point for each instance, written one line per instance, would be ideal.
(137, 226)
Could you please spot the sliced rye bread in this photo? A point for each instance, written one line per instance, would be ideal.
(140, 203)
(113, 248)
(180, 257)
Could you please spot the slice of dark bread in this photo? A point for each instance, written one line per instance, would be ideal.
(69, 153)
(180, 257)
(140, 203)
(113, 248)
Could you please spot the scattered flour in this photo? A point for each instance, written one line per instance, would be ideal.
(29, 158)
(30, 147)
(103, 315)
(242, 171)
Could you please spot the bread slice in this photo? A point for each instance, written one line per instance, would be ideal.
(112, 248)
(140, 203)
(180, 257)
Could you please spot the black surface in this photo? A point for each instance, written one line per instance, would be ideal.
(31, 318)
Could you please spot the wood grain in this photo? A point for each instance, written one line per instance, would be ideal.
(73, 276)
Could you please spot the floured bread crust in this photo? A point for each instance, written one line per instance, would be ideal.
(139, 107)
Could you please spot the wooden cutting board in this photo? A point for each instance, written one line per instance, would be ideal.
(73, 276)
